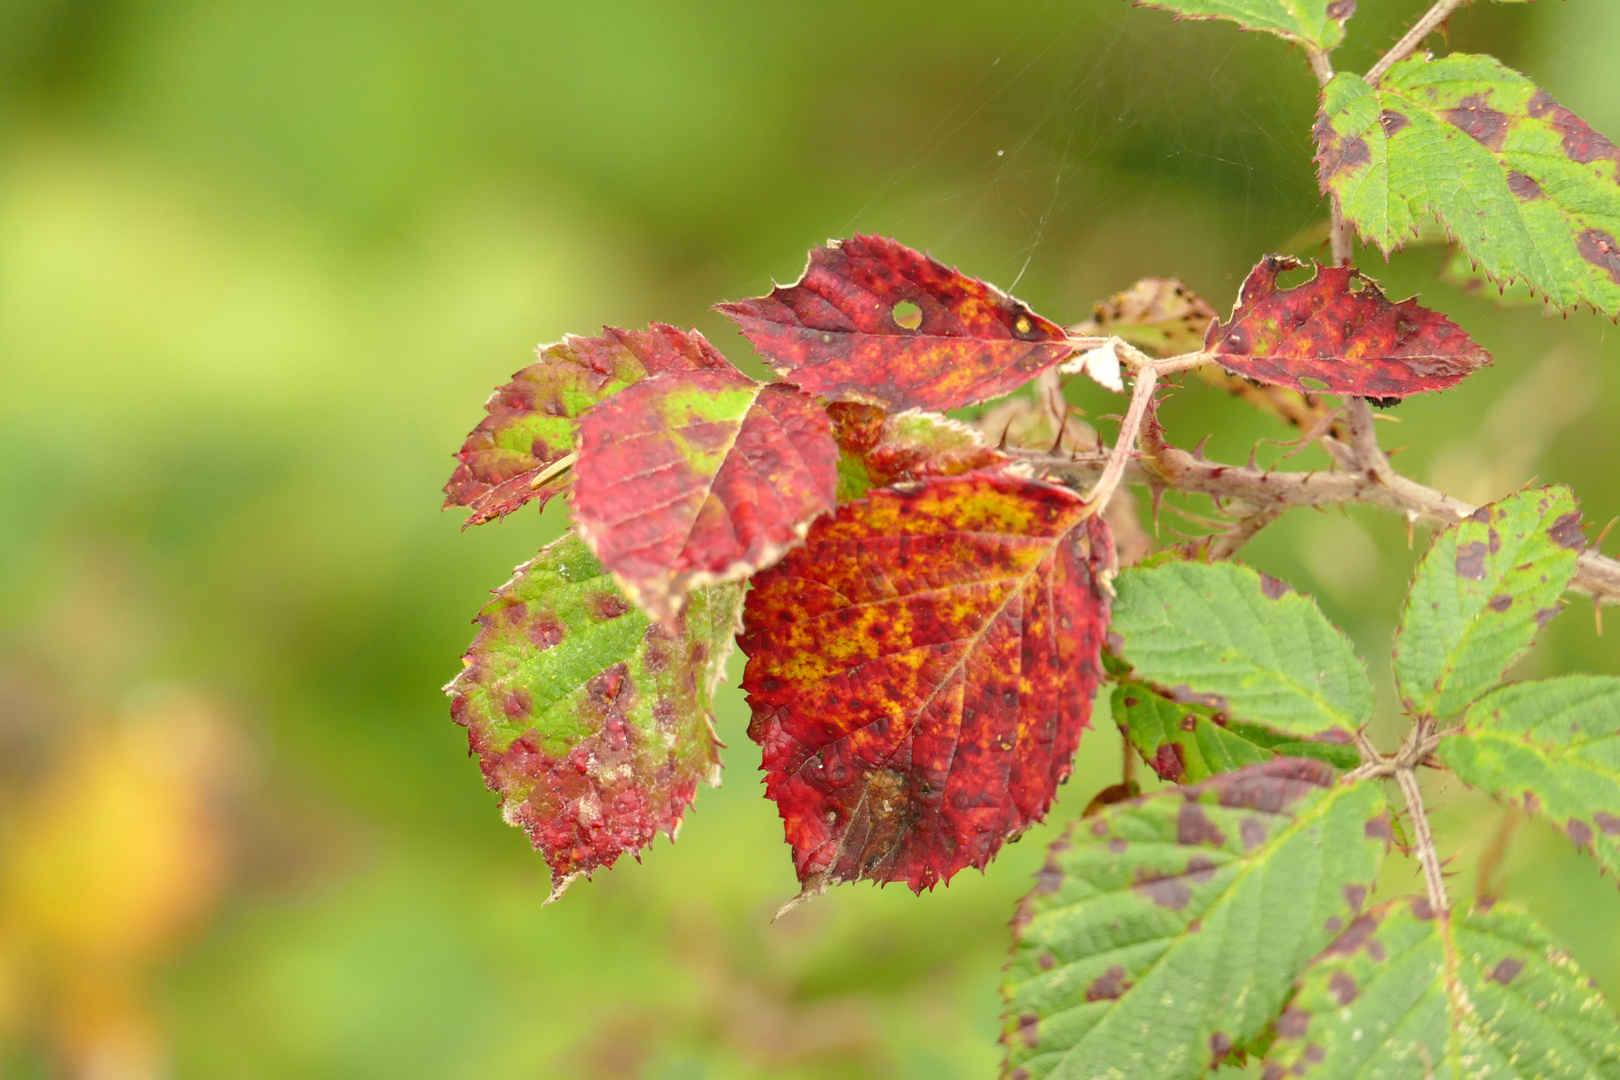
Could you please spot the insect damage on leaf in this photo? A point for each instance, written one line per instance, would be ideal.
(533, 420)
(880, 449)
(872, 320)
(1526, 187)
(1481, 992)
(1163, 933)
(590, 721)
(1338, 330)
(1160, 316)
(1318, 23)
(695, 478)
(920, 673)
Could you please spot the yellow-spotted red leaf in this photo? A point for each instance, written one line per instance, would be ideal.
(1339, 332)
(591, 721)
(533, 420)
(920, 673)
(700, 477)
(880, 449)
(872, 320)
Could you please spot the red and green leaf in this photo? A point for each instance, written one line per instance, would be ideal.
(880, 449)
(533, 420)
(589, 720)
(689, 479)
(921, 671)
(872, 320)
(1339, 331)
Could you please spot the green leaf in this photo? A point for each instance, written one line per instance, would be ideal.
(1240, 643)
(1319, 23)
(1379, 1004)
(1164, 932)
(1553, 746)
(1189, 743)
(591, 721)
(1529, 190)
(1483, 589)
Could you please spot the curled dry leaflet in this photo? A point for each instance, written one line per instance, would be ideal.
(928, 612)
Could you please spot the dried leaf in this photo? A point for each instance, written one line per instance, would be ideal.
(591, 721)
(1160, 316)
(1338, 330)
(872, 320)
(881, 449)
(1469, 995)
(1524, 185)
(697, 478)
(1163, 933)
(920, 673)
(533, 420)
(1318, 23)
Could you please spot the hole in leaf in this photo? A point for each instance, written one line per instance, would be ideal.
(907, 316)
(1299, 275)
(1312, 384)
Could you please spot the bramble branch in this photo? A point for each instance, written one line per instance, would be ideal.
(1255, 491)
(1414, 37)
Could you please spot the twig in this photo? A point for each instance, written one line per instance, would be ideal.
(1148, 371)
(1414, 37)
(1170, 468)
(1423, 842)
(1240, 532)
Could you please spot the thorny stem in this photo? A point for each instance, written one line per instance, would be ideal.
(1171, 468)
(1402, 765)
(1421, 29)
(1147, 371)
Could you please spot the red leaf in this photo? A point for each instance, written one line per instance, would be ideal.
(920, 673)
(532, 419)
(880, 449)
(1339, 330)
(686, 480)
(836, 332)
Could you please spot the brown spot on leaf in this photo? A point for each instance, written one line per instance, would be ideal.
(1220, 1044)
(1471, 560)
(1475, 117)
(1341, 9)
(1598, 248)
(1505, 970)
(1566, 532)
(1109, 985)
(1273, 588)
(1379, 829)
(1340, 155)
(605, 606)
(1049, 878)
(1532, 803)
(1189, 722)
(1422, 909)
(1046, 961)
(1314, 1054)
(1293, 1023)
(1169, 761)
(1029, 1026)
(1500, 602)
(1392, 121)
(1253, 833)
(1359, 934)
(1523, 187)
(1167, 892)
(1580, 833)
(1355, 896)
(1546, 615)
(1607, 822)
(1193, 826)
(1343, 987)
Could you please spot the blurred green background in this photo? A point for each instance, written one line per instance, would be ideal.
(261, 261)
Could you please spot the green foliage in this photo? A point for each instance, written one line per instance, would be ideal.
(1482, 591)
(1165, 933)
(1190, 743)
(1526, 187)
(1402, 993)
(1318, 23)
(1554, 748)
(1242, 643)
